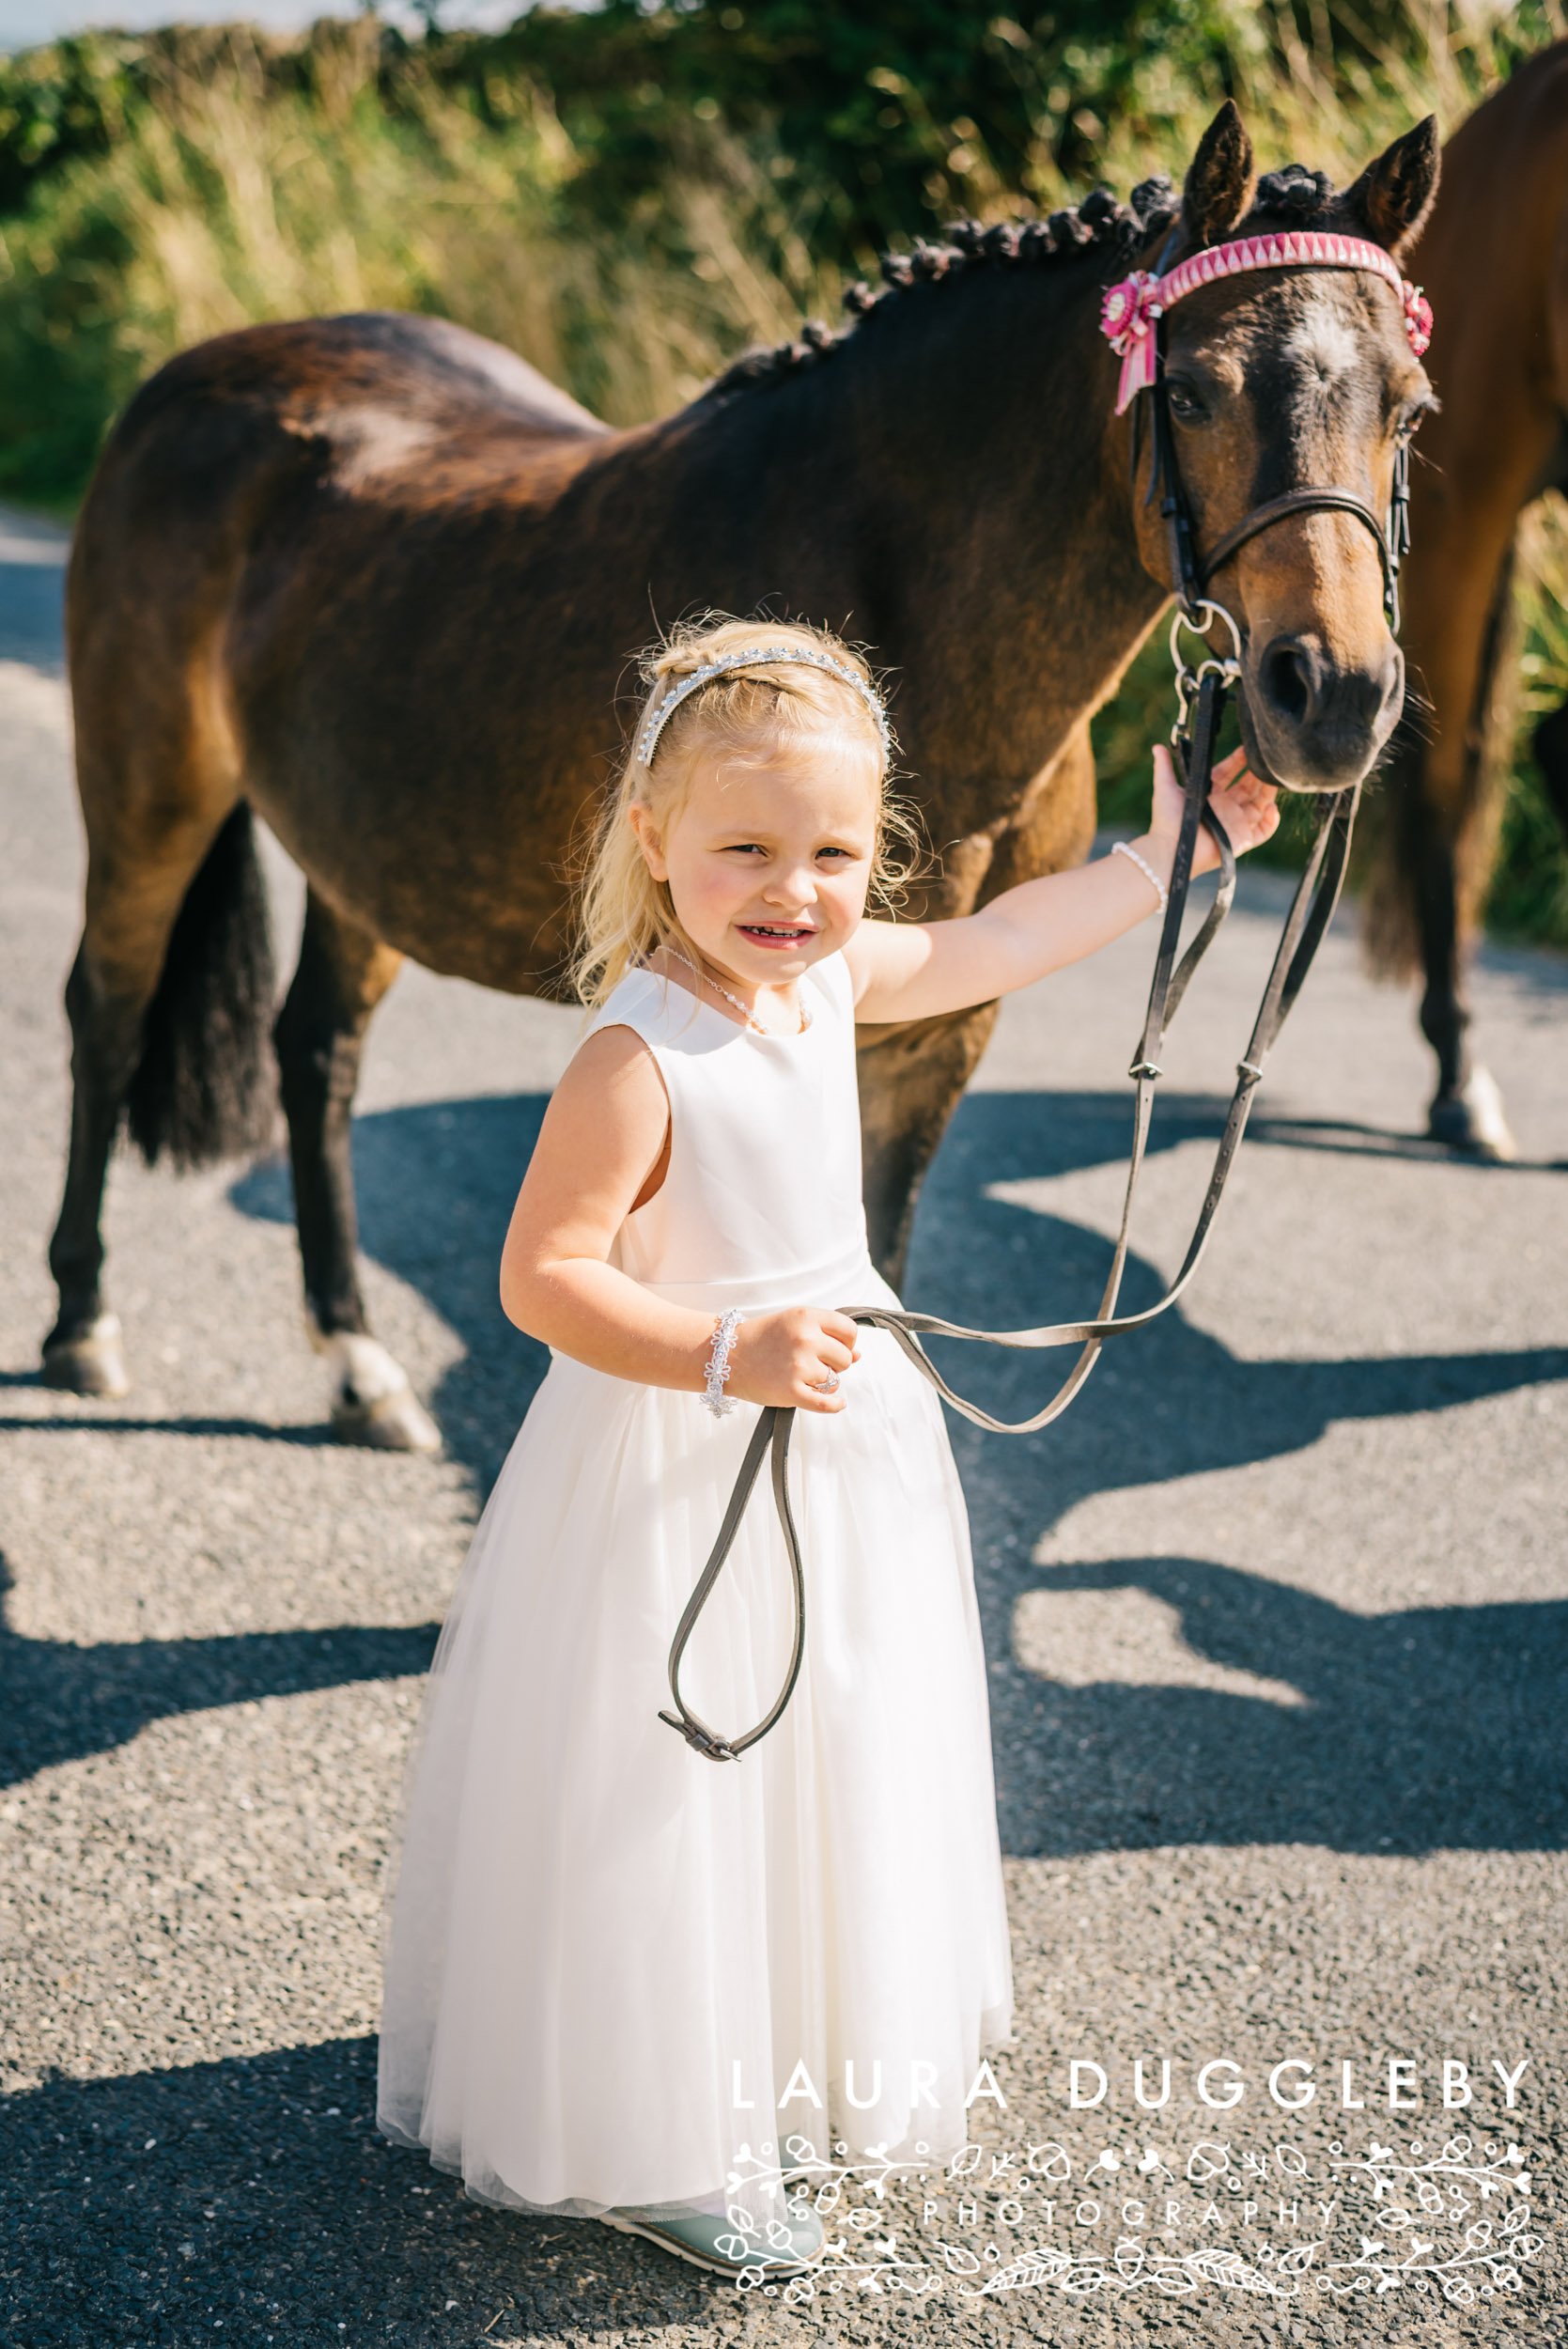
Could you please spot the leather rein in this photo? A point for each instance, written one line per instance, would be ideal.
(1201, 695)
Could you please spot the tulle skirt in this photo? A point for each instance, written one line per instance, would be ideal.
(618, 1972)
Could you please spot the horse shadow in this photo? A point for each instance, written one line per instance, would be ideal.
(1245, 1709)
(1171, 1400)
(1418, 1730)
(1395, 1733)
(1218, 1706)
(1015, 1267)
(60, 1702)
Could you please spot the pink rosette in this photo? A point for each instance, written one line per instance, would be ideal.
(1128, 314)
(1125, 311)
(1418, 317)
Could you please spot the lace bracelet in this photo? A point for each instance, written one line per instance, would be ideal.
(1125, 847)
(717, 1402)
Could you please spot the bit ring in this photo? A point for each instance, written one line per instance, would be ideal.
(1179, 621)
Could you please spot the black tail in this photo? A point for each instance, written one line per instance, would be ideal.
(206, 1085)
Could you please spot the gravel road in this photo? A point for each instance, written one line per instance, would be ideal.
(1278, 1626)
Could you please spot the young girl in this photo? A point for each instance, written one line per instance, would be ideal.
(620, 1975)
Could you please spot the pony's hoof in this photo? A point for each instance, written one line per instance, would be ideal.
(372, 1400)
(1472, 1119)
(89, 1361)
(390, 1423)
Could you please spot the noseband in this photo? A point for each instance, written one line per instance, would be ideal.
(1131, 320)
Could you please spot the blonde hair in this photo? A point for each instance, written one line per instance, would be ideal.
(624, 914)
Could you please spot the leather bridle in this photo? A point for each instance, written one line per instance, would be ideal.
(1189, 573)
(1202, 694)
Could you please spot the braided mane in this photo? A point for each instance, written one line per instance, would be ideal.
(1303, 197)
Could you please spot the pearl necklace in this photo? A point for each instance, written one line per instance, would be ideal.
(745, 1010)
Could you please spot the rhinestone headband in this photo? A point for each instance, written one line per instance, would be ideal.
(764, 657)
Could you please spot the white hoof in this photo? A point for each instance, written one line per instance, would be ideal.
(91, 1362)
(1493, 1133)
(1473, 1120)
(372, 1401)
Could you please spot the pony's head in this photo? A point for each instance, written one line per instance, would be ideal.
(1294, 378)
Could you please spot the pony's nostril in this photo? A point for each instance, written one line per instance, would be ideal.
(1324, 723)
(1289, 679)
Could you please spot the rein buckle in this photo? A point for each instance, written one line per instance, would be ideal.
(716, 1749)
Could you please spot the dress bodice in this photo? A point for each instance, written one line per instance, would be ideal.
(761, 1198)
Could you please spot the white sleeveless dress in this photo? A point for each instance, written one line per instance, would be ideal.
(616, 1972)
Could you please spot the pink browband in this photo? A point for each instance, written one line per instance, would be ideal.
(1131, 307)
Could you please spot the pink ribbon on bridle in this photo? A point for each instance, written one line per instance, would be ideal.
(1131, 307)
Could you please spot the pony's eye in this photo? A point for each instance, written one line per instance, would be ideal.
(1186, 402)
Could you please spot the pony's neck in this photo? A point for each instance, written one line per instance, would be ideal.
(994, 509)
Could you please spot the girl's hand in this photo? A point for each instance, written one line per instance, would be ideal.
(779, 1358)
(906, 971)
(1245, 805)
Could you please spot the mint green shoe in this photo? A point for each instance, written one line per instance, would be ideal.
(698, 2235)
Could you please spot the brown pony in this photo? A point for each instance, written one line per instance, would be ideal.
(377, 579)
(1494, 260)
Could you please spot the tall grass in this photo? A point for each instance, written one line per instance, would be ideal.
(221, 211)
(217, 190)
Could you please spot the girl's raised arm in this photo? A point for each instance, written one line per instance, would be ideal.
(916, 970)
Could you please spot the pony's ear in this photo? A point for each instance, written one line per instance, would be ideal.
(1394, 195)
(1220, 179)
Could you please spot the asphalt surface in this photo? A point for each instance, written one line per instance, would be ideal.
(1277, 1619)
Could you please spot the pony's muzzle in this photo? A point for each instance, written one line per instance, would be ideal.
(1317, 725)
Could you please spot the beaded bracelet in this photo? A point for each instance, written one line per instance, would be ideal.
(1123, 848)
(714, 1397)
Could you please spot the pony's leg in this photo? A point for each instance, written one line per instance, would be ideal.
(319, 1033)
(1465, 1112)
(1423, 859)
(911, 1078)
(1449, 795)
(138, 877)
(83, 1351)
